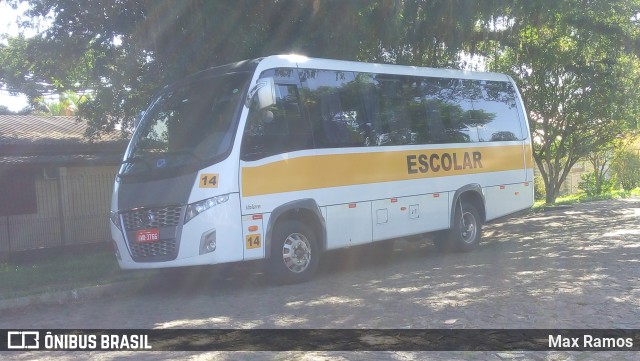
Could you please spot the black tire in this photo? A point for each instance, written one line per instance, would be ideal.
(293, 238)
(465, 232)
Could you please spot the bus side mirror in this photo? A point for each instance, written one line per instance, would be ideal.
(263, 93)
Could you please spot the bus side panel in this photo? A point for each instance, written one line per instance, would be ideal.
(398, 217)
(506, 199)
(253, 236)
(509, 194)
(348, 224)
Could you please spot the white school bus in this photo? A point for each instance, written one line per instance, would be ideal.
(286, 157)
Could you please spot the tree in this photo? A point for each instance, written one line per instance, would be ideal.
(599, 181)
(66, 105)
(569, 57)
(433, 33)
(626, 162)
(124, 51)
(579, 80)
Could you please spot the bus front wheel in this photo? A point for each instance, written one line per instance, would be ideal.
(294, 253)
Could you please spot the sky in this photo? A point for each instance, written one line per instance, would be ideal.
(8, 25)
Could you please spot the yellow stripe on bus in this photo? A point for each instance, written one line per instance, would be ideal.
(529, 157)
(335, 170)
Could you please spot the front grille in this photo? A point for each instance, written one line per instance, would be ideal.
(162, 250)
(152, 218)
(166, 219)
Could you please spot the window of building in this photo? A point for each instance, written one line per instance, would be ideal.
(18, 192)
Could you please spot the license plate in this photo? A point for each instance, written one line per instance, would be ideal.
(148, 235)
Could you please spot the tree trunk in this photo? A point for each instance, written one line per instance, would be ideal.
(552, 193)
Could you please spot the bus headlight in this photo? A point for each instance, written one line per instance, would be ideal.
(196, 208)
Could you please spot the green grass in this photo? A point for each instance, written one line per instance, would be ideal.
(582, 197)
(61, 272)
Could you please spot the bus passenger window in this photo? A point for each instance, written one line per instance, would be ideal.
(295, 129)
(448, 111)
(277, 129)
(498, 100)
(332, 102)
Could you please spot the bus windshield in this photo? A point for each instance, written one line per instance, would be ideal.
(186, 126)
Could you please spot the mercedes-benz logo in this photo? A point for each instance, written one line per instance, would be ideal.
(145, 219)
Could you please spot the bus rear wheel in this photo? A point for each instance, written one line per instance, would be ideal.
(466, 231)
(294, 252)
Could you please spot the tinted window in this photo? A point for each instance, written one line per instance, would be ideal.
(334, 107)
(414, 110)
(498, 102)
(346, 109)
(448, 111)
(280, 128)
(391, 100)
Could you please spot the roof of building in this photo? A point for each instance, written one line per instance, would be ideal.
(34, 139)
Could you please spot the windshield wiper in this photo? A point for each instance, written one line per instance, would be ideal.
(134, 159)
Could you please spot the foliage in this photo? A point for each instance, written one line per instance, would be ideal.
(627, 168)
(574, 59)
(538, 188)
(583, 197)
(597, 182)
(36, 67)
(124, 51)
(66, 105)
(592, 185)
(432, 33)
(578, 75)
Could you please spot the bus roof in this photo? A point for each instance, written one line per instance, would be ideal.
(300, 61)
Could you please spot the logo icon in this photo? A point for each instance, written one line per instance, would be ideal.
(146, 219)
(23, 340)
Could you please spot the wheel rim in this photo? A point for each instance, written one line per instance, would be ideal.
(296, 252)
(468, 227)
